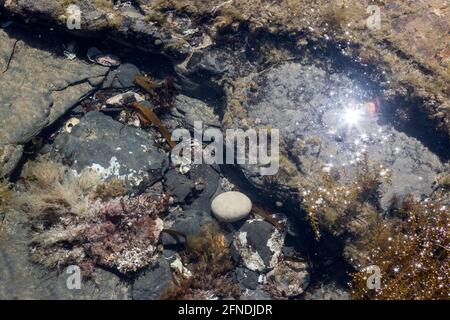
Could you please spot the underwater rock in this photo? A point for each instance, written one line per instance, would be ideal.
(152, 283)
(328, 127)
(37, 88)
(259, 245)
(231, 206)
(191, 110)
(247, 278)
(122, 77)
(327, 291)
(207, 178)
(179, 186)
(112, 149)
(289, 278)
(185, 224)
(10, 156)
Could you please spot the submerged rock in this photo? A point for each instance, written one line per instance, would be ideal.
(112, 149)
(246, 278)
(329, 124)
(153, 282)
(289, 278)
(192, 110)
(231, 206)
(122, 77)
(259, 245)
(327, 291)
(179, 186)
(37, 88)
(185, 224)
(206, 180)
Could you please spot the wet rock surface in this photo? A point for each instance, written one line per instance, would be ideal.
(153, 282)
(122, 77)
(112, 149)
(37, 88)
(185, 224)
(192, 110)
(247, 278)
(206, 178)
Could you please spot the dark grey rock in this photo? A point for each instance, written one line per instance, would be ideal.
(246, 278)
(178, 185)
(153, 282)
(114, 150)
(122, 77)
(188, 223)
(169, 254)
(209, 177)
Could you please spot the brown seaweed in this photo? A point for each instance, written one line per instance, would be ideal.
(151, 116)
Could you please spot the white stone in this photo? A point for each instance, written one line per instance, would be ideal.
(231, 206)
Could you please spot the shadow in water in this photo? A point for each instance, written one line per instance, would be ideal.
(407, 116)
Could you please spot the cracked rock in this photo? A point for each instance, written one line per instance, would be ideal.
(37, 87)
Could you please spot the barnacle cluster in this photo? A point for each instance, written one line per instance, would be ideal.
(78, 219)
